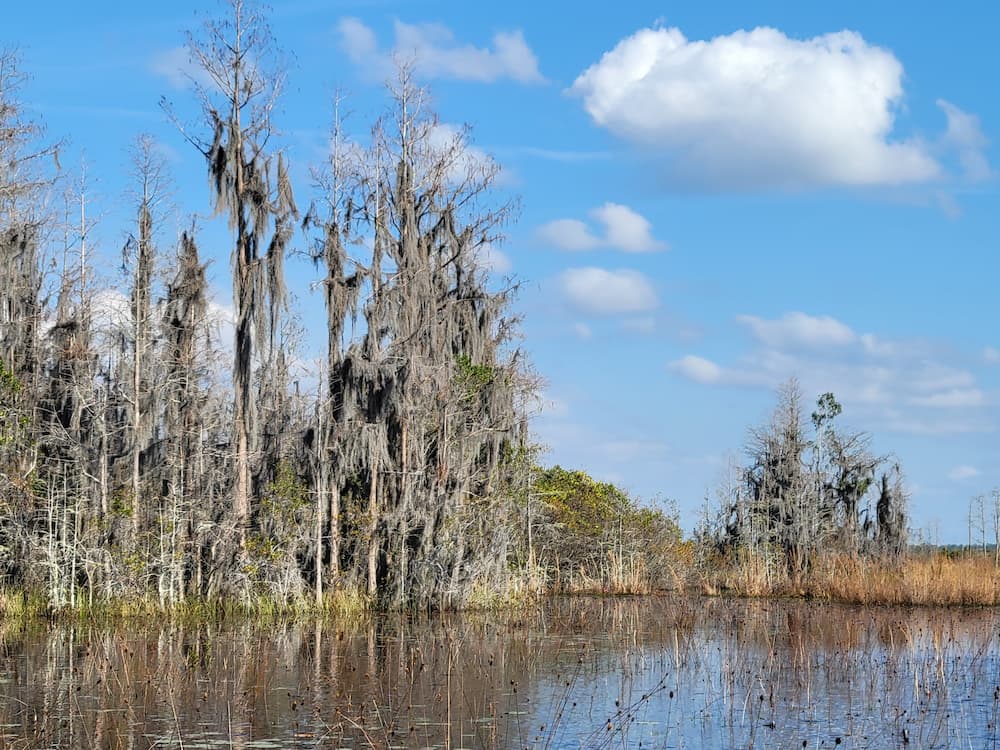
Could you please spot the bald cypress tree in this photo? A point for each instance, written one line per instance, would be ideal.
(185, 477)
(249, 184)
(423, 402)
(139, 256)
(22, 184)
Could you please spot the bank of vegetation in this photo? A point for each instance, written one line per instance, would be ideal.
(146, 466)
(815, 512)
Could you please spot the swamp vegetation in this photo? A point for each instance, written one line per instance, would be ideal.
(145, 464)
(389, 527)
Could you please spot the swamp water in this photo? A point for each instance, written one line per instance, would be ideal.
(590, 673)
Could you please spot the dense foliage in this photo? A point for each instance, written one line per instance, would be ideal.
(132, 464)
(589, 534)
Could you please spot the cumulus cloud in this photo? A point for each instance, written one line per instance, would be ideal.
(963, 472)
(111, 310)
(569, 234)
(623, 229)
(359, 42)
(437, 54)
(991, 355)
(627, 230)
(602, 292)
(799, 329)
(758, 109)
(582, 331)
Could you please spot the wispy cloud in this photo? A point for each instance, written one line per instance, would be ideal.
(176, 67)
(799, 329)
(436, 53)
(558, 155)
(698, 369)
(965, 138)
(901, 385)
(960, 473)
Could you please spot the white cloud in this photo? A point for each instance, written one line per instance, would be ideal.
(991, 355)
(624, 229)
(358, 41)
(568, 234)
(627, 230)
(111, 310)
(966, 138)
(494, 259)
(930, 377)
(437, 54)
(698, 369)
(222, 321)
(960, 473)
(891, 385)
(560, 155)
(582, 331)
(450, 144)
(799, 329)
(953, 398)
(178, 69)
(935, 426)
(877, 346)
(757, 109)
(602, 292)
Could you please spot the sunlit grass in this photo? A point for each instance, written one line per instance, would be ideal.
(934, 580)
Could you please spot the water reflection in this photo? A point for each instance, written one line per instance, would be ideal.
(658, 673)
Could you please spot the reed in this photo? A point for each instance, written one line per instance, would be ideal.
(931, 580)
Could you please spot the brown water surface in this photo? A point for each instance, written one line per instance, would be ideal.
(576, 673)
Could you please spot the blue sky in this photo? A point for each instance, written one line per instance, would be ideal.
(715, 197)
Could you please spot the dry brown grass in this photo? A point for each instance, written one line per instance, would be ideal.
(936, 580)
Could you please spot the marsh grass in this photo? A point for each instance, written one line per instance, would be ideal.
(931, 580)
(21, 606)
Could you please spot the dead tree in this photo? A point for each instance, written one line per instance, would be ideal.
(184, 420)
(249, 184)
(777, 483)
(891, 514)
(139, 257)
(23, 185)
